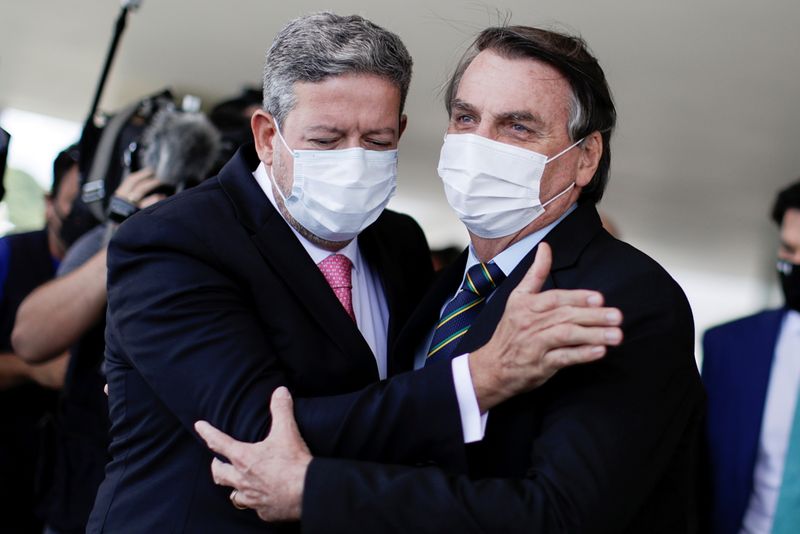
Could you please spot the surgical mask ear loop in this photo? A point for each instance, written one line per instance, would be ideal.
(564, 192)
(278, 131)
(570, 147)
(561, 194)
(269, 171)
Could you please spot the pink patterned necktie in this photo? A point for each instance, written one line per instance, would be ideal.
(336, 269)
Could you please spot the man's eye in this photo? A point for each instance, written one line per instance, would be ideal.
(322, 142)
(378, 143)
(521, 128)
(465, 119)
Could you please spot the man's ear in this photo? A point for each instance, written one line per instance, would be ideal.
(591, 150)
(403, 124)
(263, 126)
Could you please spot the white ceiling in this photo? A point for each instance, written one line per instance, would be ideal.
(707, 94)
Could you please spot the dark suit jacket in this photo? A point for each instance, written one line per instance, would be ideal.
(737, 358)
(609, 447)
(213, 303)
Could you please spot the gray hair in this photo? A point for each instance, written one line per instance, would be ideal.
(321, 45)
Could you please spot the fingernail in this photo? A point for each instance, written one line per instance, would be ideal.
(613, 316)
(281, 393)
(595, 300)
(613, 335)
(596, 351)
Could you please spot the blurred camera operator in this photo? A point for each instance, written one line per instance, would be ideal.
(57, 314)
(68, 313)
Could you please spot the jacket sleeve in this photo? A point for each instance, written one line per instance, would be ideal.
(191, 333)
(607, 438)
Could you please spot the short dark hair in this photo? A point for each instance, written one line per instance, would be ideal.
(230, 113)
(62, 164)
(788, 198)
(592, 107)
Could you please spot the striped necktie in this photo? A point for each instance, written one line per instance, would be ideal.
(787, 511)
(460, 312)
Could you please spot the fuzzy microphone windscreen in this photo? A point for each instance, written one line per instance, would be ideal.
(180, 147)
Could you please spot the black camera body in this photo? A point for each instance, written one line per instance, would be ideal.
(180, 147)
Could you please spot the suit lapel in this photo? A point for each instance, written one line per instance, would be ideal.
(567, 240)
(281, 250)
(426, 315)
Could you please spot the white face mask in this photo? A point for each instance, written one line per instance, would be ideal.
(338, 193)
(493, 187)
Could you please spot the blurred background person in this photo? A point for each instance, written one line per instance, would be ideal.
(27, 392)
(751, 370)
(175, 150)
(442, 257)
(231, 117)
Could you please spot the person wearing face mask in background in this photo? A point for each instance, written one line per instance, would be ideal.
(613, 446)
(285, 269)
(28, 260)
(751, 370)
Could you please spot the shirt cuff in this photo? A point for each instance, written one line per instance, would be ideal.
(473, 422)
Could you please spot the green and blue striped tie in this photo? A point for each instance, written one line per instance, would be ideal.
(460, 312)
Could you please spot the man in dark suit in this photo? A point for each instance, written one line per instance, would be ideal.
(751, 371)
(613, 446)
(283, 270)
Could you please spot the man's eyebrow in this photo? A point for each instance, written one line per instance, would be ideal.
(323, 128)
(521, 116)
(381, 131)
(460, 105)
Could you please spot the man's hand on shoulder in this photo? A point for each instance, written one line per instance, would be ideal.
(539, 334)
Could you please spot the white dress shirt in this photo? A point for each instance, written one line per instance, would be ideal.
(472, 421)
(784, 381)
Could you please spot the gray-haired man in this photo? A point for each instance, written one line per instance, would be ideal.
(285, 270)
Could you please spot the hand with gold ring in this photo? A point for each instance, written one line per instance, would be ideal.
(270, 474)
(236, 505)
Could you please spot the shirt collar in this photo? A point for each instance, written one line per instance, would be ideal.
(317, 253)
(509, 258)
(791, 322)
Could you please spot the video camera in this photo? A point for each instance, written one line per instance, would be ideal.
(180, 146)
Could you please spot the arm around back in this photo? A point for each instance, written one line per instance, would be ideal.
(182, 314)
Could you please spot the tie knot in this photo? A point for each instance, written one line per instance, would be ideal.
(336, 269)
(483, 278)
